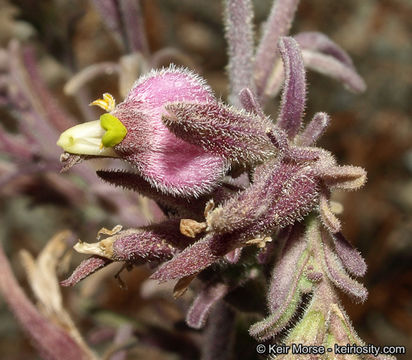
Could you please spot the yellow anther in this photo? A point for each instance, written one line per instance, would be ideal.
(108, 102)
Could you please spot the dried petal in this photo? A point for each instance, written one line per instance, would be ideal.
(294, 90)
(191, 228)
(41, 273)
(237, 136)
(199, 311)
(42, 276)
(86, 268)
(330, 66)
(350, 257)
(70, 160)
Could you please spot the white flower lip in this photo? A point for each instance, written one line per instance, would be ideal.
(85, 139)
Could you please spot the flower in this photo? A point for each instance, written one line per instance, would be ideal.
(134, 131)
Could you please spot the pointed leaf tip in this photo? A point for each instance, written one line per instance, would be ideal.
(314, 129)
(199, 311)
(86, 268)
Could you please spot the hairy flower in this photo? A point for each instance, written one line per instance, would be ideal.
(134, 132)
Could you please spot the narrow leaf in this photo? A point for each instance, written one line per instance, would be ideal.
(277, 25)
(318, 42)
(87, 267)
(199, 311)
(235, 135)
(345, 177)
(330, 66)
(220, 333)
(284, 290)
(313, 130)
(195, 258)
(249, 102)
(350, 257)
(337, 274)
(294, 90)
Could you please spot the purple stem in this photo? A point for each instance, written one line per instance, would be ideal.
(133, 24)
(278, 24)
(28, 169)
(33, 117)
(10, 144)
(109, 13)
(52, 342)
(239, 35)
(55, 115)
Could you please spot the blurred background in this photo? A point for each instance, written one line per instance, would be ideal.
(44, 44)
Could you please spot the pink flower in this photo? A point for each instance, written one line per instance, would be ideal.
(135, 132)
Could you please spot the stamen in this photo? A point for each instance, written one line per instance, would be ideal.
(108, 102)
